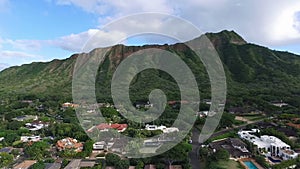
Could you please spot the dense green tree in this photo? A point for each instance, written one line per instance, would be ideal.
(5, 159)
(203, 152)
(160, 166)
(221, 155)
(37, 150)
(112, 159)
(64, 163)
(15, 152)
(261, 160)
(11, 137)
(227, 120)
(122, 164)
(23, 131)
(15, 125)
(177, 153)
(38, 165)
(139, 165)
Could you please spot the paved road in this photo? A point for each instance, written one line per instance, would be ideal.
(195, 145)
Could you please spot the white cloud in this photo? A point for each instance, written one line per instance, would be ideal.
(11, 57)
(77, 42)
(24, 44)
(119, 7)
(16, 54)
(265, 22)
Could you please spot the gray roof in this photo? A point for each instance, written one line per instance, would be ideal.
(228, 145)
(87, 163)
(52, 165)
(6, 150)
(237, 142)
(74, 164)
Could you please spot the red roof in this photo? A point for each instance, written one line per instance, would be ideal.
(119, 126)
(176, 102)
(103, 126)
(116, 126)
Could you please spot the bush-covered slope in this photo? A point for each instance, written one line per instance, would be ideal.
(255, 74)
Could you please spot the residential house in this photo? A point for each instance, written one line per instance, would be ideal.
(6, 149)
(105, 127)
(207, 101)
(150, 166)
(69, 143)
(269, 145)
(87, 164)
(30, 138)
(109, 167)
(279, 103)
(164, 129)
(25, 164)
(99, 145)
(25, 118)
(202, 114)
(119, 146)
(146, 105)
(74, 164)
(52, 165)
(27, 101)
(36, 125)
(174, 167)
(69, 105)
(235, 147)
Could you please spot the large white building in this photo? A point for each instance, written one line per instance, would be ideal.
(269, 145)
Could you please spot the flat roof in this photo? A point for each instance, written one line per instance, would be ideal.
(25, 164)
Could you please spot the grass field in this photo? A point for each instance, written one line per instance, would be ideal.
(230, 164)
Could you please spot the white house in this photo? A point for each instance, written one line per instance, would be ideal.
(99, 145)
(164, 129)
(36, 125)
(30, 138)
(154, 127)
(269, 145)
(170, 130)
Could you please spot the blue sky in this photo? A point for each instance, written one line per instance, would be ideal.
(42, 30)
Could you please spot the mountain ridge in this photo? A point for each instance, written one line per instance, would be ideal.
(250, 70)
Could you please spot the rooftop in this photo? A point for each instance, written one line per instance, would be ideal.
(6, 149)
(74, 164)
(263, 141)
(105, 126)
(25, 164)
(52, 165)
(69, 143)
(235, 147)
(290, 152)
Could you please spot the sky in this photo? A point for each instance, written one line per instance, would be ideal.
(43, 30)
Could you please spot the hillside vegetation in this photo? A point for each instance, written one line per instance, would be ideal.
(255, 75)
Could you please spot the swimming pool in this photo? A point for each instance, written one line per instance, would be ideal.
(250, 165)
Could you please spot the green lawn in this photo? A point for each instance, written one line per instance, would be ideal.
(253, 117)
(231, 134)
(230, 164)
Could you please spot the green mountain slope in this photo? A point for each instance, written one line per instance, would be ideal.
(255, 74)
